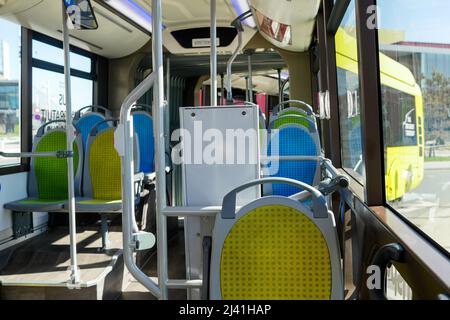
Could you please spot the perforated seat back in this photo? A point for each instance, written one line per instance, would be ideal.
(48, 175)
(295, 119)
(275, 252)
(293, 140)
(87, 122)
(143, 127)
(275, 249)
(293, 111)
(102, 179)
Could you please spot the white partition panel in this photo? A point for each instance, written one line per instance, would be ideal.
(220, 146)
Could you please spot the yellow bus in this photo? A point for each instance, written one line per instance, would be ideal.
(402, 119)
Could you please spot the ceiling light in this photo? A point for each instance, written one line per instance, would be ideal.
(132, 11)
(241, 6)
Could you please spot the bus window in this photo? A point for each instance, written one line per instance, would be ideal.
(46, 52)
(349, 96)
(48, 82)
(414, 42)
(10, 68)
(399, 118)
(48, 96)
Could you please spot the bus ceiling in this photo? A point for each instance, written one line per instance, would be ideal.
(44, 17)
(129, 23)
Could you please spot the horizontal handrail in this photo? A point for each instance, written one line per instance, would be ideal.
(56, 154)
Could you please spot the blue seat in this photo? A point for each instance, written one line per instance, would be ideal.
(87, 118)
(294, 140)
(143, 128)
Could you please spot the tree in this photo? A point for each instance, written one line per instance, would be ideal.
(436, 96)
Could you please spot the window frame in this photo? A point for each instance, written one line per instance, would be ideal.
(23, 165)
(45, 65)
(99, 68)
(373, 192)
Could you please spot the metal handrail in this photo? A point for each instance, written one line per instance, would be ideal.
(31, 154)
(129, 225)
(229, 64)
(309, 110)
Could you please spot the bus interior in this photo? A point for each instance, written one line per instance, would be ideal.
(303, 156)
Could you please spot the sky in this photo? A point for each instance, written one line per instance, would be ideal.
(48, 82)
(421, 20)
(10, 33)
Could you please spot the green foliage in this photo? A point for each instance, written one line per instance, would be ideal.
(436, 94)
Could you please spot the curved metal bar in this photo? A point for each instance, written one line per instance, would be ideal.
(309, 110)
(311, 124)
(94, 108)
(128, 204)
(383, 257)
(41, 130)
(319, 203)
(229, 64)
(94, 129)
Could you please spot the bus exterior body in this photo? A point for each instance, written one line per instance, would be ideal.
(404, 149)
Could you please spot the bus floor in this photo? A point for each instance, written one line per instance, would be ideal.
(38, 268)
(177, 270)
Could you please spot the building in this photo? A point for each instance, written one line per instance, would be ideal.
(5, 67)
(9, 93)
(430, 65)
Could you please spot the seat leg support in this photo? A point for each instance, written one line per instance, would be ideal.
(105, 231)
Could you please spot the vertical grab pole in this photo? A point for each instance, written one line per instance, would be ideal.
(222, 90)
(74, 272)
(280, 87)
(250, 76)
(158, 113)
(213, 53)
(167, 106)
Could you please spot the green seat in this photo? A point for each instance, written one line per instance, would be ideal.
(278, 122)
(275, 248)
(47, 180)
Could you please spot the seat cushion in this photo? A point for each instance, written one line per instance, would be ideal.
(98, 205)
(35, 205)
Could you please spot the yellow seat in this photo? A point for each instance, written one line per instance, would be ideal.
(275, 248)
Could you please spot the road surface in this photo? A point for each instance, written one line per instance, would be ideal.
(428, 206)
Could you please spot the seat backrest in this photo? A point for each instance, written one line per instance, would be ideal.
(276, 248)
(87, 118)
(102, 165)
(102, 172)
(143, 127)
(293, 140)
(48, 175)
(294, 119)
(297, 104)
